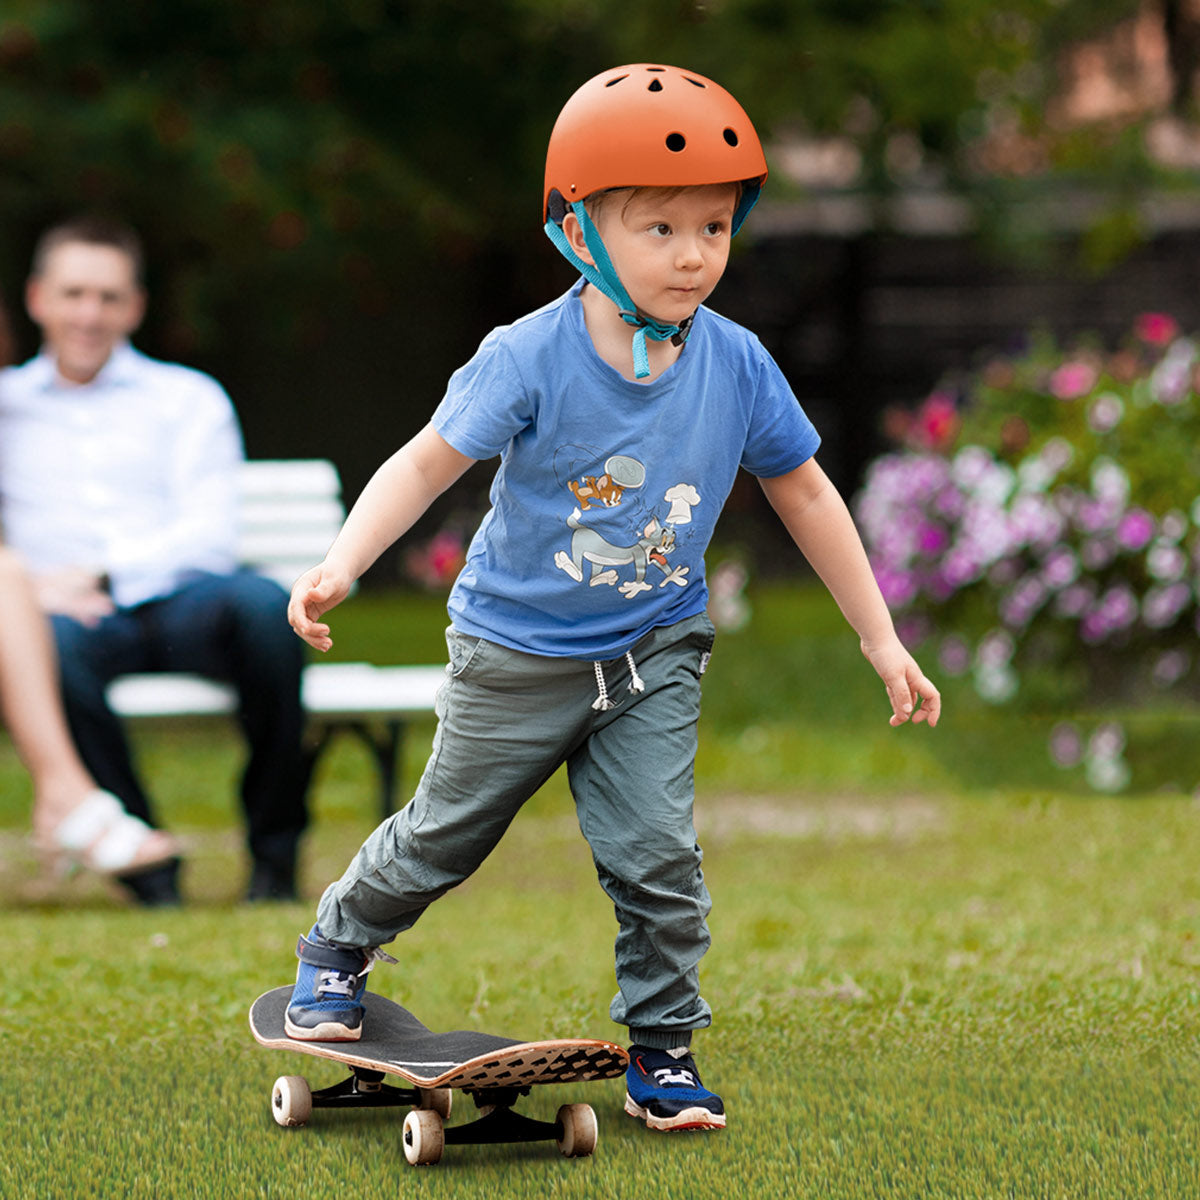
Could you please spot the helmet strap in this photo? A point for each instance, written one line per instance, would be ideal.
(602, 275)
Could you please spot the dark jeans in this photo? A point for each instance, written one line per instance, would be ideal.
(231, 628)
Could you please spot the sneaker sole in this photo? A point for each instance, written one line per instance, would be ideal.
(690, 1118)
(327, 1031)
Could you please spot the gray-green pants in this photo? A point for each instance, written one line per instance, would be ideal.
(506, 722)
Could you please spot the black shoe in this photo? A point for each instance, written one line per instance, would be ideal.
(663, 1088)
(271, 882)
(156, 888)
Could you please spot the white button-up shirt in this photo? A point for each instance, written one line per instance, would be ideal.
(134, 475)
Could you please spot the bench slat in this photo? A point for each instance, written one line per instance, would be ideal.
(328, 690)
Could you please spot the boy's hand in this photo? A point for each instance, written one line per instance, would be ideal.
(913, 697)
(314, 594)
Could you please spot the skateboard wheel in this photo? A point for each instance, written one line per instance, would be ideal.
(291, 1100)
(578, 1130)
(438, 1100)
(423, 1137)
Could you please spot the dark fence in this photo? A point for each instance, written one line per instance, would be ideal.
(861, 323)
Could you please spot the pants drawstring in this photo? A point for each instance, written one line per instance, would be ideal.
(603, 702)
(635, 680)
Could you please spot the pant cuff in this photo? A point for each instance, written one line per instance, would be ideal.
(660, 1039)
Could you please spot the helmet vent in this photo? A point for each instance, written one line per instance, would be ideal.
(731, 136)
(693, 82)
(676, 142)
(654, 86)
(618, 79)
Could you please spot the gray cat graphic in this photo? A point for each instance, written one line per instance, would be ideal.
(653, 546)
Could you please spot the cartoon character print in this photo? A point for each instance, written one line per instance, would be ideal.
(620, 472)
(652, 536)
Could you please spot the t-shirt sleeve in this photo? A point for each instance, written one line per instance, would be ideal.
(486, 402)
(780, 437)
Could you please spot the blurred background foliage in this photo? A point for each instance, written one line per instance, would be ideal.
(339, 200)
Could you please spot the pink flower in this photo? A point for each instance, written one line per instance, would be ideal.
(937, 422)
(1072, 379)
(1156, 329)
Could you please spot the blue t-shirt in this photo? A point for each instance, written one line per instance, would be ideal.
(608, 491)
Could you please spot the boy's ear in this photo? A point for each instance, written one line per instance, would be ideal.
(574, 234)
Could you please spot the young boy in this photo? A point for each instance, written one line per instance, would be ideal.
(621, 413)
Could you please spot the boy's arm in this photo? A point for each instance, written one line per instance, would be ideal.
(396, 496)
(820, 524)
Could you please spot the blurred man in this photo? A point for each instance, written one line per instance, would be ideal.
(119, 486)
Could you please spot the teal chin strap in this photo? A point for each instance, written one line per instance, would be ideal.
(603, 277)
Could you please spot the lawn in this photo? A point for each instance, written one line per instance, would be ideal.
(941, 967)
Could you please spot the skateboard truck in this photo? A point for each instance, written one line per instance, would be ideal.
(574, 1129)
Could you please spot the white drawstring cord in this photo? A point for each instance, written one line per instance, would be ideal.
(635, 681)
(603, 702)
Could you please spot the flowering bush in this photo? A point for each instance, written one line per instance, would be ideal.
(1048, 515)
(435, 564)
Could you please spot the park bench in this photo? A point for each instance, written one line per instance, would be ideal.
(291, 510)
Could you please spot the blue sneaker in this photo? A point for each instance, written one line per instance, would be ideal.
(326, 1003)
(663, 1088)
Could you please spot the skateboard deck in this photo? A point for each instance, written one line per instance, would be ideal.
(494, 1070)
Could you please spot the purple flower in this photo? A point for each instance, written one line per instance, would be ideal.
(1173, 525)
(1171, 667)
(1105, 412)
(1060, 568)
(954, 655)
(1117, 609)
(1135, 529)
(1162, 605)
(1073, 601)
(1018, 606)
(912, 630)
(996, 649)
(1166, 562)
(932, 539)
(1110, 482)
(1096, 553)
(1172, 378)
(899, 588)
(960, 567)
(1034, 521)
(1093, 515)
(1066, 744)
(949, 503)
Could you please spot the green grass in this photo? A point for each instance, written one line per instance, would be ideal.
(940, 968)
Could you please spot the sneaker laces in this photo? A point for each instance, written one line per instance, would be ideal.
(332, 982)
(681, 1075)
(337, 983)
(675, 1077)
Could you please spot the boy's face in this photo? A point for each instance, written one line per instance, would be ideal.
(85, 300)
(669, 246)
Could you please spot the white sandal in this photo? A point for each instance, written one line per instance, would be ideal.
(99, 834)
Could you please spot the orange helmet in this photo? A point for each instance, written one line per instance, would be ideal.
(648, 125)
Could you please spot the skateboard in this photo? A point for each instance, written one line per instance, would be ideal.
(494, 1071)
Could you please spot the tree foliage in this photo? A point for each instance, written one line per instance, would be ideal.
(315, 148)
